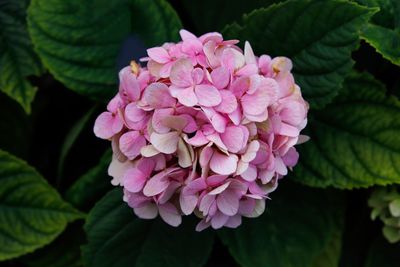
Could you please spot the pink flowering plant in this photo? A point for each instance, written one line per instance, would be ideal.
(204, 129)
(199, 133)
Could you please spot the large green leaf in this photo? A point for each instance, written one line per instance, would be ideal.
(318, 36)
(32, 213)
(79, 40)
(355, 141)
(222, 12)
(383, 33)
(91, 186)
(297, 229)
(117, 238)
(17, 59)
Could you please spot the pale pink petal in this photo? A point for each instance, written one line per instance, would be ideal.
(207, 95)
(228, 203)
(216, 139)
(202, 225)
(129, 88)
(288, 130)
(187, 97)
(130, 144)
(134, 180)
(258, 209)
(219, 220)
(235, 138)
(223, 164)
(133, 113)
(240, 86)
(205, 203)
(205, 156)
(158, 54)
(188, 202)
(149, 151)
(198, 139)
(191, 46)
(215, 180)
(291, 157)
(220, 77)
(181, 73)
(280, 166)
(186, 35)
(217, 120)
(158, 118)
(246, 206)
(232, 59)
(168, 192)
(107, 125)
(198, 75)
(251, 151)
(302, 139)
(247, 70)
(157, 95)
(166, 143)
(156, 184)
(236, 116)
(175, 122)
(249, 54)
(234, 221)
(228, 103)
(169, 213)
(148, 211)
(250, 174)
(165, 70)
(185, 153)
(117, 169)
(220, 189)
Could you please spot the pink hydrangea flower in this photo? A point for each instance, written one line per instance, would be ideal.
(205, 129)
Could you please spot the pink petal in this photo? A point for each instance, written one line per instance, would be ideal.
(168, 192)
(117, 169)
(234, 221)
(148, 211)
(250, 174)
(247, 70)
(217, 120)
(205, 156)
(149, 151)
(223, 164)
(158, 54)
(158, 118)
(291, 157)
(134, 180)
(181, 73)
(170, 214)
(228, 203)
(175, 122)
(133, 113)
(129, 88)
(235, 138)
(249, 54)
(215, 180)
(251, 151)
(166, 143)
(246, 206)
(220, 189)
(157, 95)
(236, 116)
(107, 125)
(220, 77)
(198, 139)
(288, 130)
(187, 97)
(188, 203)
(130, 144)
(185, 153)
(232, 59)
(205, 203)
(202, 225)
(207, 95)
(186, 35)
(156, 184)
(228, 103)
(165, 70)
(219, 220)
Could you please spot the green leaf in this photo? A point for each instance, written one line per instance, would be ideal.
(70, 139)
(62, 252)
(318, 36)
(383, 32)
(222, 12)
(355, 141)
(32, 213)
(17, 58)
(384, 40)
(80, 46)
(383, 254)
(298, 227)
(117, 238)
(91, 186)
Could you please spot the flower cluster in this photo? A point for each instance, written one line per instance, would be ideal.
(205, 128)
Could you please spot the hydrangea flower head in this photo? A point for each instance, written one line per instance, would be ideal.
(205, 129)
